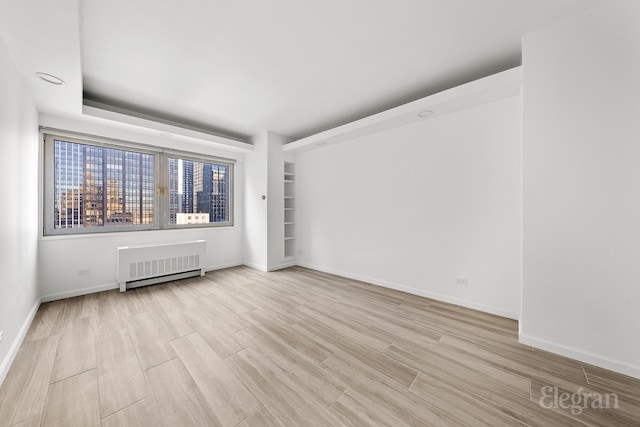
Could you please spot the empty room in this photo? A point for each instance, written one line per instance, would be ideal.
(308, 213)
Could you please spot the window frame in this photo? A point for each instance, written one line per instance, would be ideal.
(184, 155)
(161, 175)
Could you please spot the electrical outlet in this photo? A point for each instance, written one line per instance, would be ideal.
(1, 335)
(299, 251)
(83, 272)
(462, 281)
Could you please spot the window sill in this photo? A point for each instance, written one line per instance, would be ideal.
(120, 234)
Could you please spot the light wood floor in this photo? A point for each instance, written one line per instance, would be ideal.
(290, 348)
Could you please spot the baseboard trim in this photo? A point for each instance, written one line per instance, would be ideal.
(256, 266)
(17, 342)
(114, 285)
(223, 266)
(582, 356)
(414, 291)
(283, 265)
(79, 292)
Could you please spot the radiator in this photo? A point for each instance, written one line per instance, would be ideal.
(149, 264)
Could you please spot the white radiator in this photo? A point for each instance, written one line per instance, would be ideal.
(149, 264)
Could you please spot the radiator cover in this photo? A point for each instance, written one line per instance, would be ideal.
(148, 264)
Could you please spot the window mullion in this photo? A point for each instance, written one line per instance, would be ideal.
(161, 202)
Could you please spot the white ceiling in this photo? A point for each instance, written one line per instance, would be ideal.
(295, 67)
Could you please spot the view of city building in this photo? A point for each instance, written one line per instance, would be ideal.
(205, 189)
(175, 201)
(97, 186)
(192, 218)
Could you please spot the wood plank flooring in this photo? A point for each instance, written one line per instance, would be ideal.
(294, 347)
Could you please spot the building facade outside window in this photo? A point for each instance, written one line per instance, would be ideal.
(96, 187)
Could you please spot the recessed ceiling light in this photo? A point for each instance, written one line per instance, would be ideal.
(321, 143)
(165, 134)
(425, 113)
(50, 79)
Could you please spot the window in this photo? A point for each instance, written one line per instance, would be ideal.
(197, 187)
(93, 186)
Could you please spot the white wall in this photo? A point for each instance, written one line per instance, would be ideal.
(19, 212)
(415, 207)
(581, 291)
(264, 219)
(255, 208)
(60, 257)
